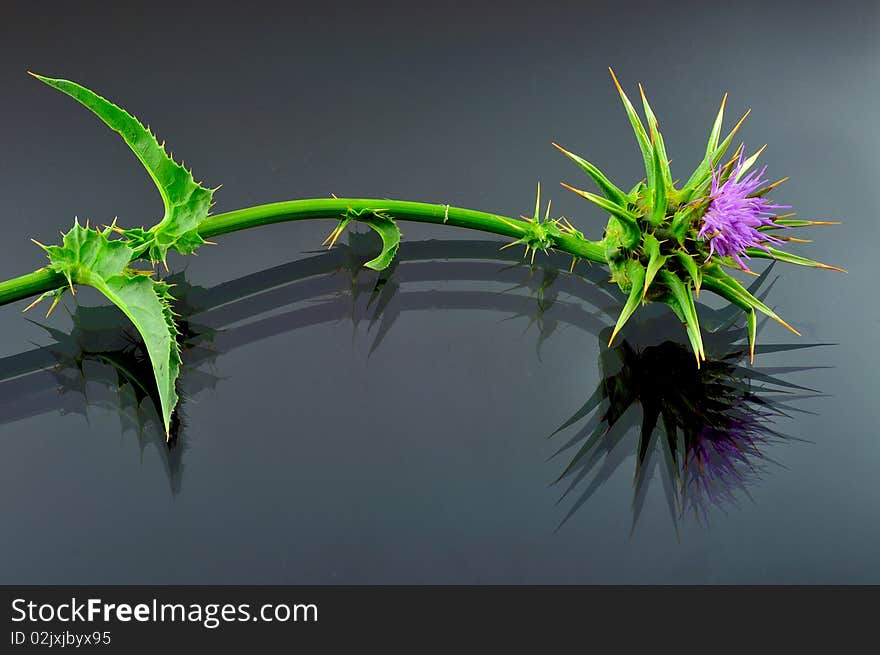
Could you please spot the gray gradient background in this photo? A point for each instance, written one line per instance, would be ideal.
(425, 462)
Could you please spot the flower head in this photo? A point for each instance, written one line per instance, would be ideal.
(735, 213)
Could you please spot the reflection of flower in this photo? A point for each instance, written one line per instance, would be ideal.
(724, 454)
(734, 215)
(717, 423)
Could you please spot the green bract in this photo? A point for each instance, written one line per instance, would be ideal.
(650, 242)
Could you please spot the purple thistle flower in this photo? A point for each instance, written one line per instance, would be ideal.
(732, 220)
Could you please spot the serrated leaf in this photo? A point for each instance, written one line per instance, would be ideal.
(639, 130)
(186, 203)
(611, 191)
(637, 276)
(390, 235)
(88, 257)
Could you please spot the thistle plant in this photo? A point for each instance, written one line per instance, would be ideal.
(663, 242)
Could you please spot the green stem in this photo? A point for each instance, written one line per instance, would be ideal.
(294, 210)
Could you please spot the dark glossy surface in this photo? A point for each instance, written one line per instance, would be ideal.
(343, 428)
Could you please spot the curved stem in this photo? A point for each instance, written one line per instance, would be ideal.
(333, 208)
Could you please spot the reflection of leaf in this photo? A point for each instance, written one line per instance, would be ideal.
(186, 202)
(88, 257)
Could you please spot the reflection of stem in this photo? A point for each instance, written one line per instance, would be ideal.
(245, 298)
(297, 210)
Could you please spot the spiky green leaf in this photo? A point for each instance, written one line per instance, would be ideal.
(88, 257)
(186, 203)
(388, 231)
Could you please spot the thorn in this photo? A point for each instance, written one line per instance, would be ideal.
(573, 262)
(512, 243)
(782, 216)
(70, 282)
(334, 235)
(210, 243)
(768, 189)
(547, 215)
(571, 188)
(560, 149)
(54, 305)
(40, 244)
(751, 352)
(538, 202)
(616, 83)
(32, 305)
(616, 329)
(723, 102)
(785, 325)
(832, 268)
(507, 222)
(534, 250)
(825, 222)
(741, 121)
(165, 264)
